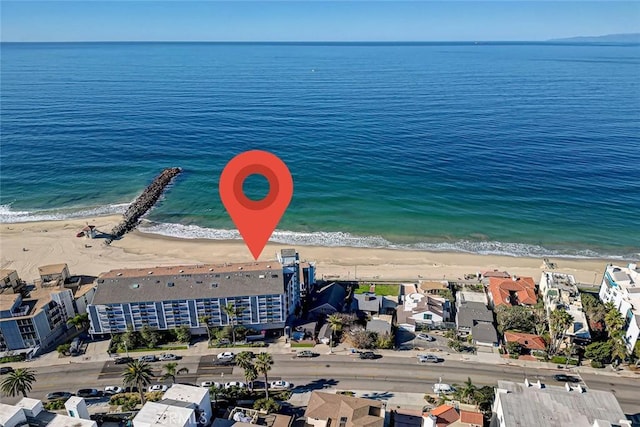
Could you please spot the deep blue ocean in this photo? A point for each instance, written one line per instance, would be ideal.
(512, 148)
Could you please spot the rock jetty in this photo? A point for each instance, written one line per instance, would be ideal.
(143, 203)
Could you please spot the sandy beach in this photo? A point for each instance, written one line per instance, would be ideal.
(25, 246)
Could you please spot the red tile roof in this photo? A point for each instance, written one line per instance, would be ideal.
(445, 415)
(523, 287)
(472, 418)
(528, 341)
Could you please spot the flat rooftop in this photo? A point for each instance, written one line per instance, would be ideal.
(189, 282)
(52, 269)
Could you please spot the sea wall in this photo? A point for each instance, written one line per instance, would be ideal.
(144, 202)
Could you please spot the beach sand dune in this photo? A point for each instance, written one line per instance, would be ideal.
(25, 246)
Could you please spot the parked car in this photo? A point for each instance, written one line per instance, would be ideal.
(158, 387)
(5, 370)
(59, 395)
(280, 385)
(429, 358)
(307, 353)
(88, 392)
(238, 384)
(210, 384)
(566, 378)
(148, 358)
(123, 360)
(110, 390)
(224, 341)
(425, 337)
(224, 362)
(227, 355)
(169, 356)
(369, 355)
(442, 388)
(131, 390)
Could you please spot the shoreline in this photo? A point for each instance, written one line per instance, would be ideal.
(50, 242)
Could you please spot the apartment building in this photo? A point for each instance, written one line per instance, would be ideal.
(621, 286)
(265, 294)
(559, 292)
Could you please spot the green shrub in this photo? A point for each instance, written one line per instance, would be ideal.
(14, 358)
(597, 364)
(268, 405)
(54, 406)
(561, 360)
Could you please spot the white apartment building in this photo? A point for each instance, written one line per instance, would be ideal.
(621, 286)
(559, 292)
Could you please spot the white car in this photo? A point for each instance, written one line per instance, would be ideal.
(209, 384)
(280, 385)
(429, 358)
(168, 356)
(235, 384)
(113, 389)
(442, 388)
(227, 355)
(158, 387)
(425, 337)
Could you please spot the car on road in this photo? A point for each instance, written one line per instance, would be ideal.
(210, 384)
(123, 360)
(227, 355)
(369, 355)
(425, 337)
(442, 388)
(5, 370)
(566, 378)
(148, 358)
(159, 387)
(110, 390)
(59, 395)
(168, 356)
(280, 385)
(237, 384)
(132, 390)
(429, 358)
(307, 353)
(88, 392)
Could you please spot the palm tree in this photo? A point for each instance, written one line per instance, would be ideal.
(618, 346)
(137, 374)
(263, 366)
(171, 370)
(614, 321)
(18, 382)
(244, 359)
(468, 391)
(250, 375)
(559, 322)
(204, 321)
(232, 313)
(335, 324)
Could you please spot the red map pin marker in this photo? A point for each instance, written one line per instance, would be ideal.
(256, 219)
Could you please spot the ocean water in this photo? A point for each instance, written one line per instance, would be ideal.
(510, 148)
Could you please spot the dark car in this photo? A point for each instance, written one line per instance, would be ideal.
(223, 362)
(59, 395)
(131, 390)
(370, 355)
(123, 360)
(5, 370)
(88, 392)
(566, 378)
(307, 353)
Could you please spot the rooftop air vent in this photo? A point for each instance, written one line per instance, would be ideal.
(211, 269)
(135, 286)
(170, 284)
(228, 277)
(181, 271)
(239, 268)
(261, 276)
(151, 272)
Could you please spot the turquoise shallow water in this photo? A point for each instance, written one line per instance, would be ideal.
(522, 149)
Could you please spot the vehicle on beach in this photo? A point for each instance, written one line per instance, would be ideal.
(307, 353)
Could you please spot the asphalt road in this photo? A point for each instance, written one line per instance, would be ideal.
(386, 375)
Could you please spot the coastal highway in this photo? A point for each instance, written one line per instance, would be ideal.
(385, 375)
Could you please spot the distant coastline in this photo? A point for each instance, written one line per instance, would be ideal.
(607, 38)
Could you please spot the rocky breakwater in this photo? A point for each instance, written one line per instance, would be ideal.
(143, 203)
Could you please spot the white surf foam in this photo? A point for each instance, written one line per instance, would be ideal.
(8, 215)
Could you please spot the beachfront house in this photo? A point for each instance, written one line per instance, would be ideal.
(512, 291)
(475, 319)
(621, 286)
(265, 294)
(338, 410)
(368, 303)
(422, 311)
(327, 300)
(559, 292)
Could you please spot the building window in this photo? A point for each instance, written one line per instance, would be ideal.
(427, 316)
(343, 421)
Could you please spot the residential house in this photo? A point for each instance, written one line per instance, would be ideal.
(539, 405)
(10, 281)
(54, 273)
(421, 311)
(512, 291)
(380, 324)
(31, 412)
(197, 398)
(328, 300)
(441, 416)
(266, 295)
(476, 319)
(528, 342)
(621, 286)
(367, 303)
(559, 292)
(162, 414)
(433, 287)
(338, 410)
